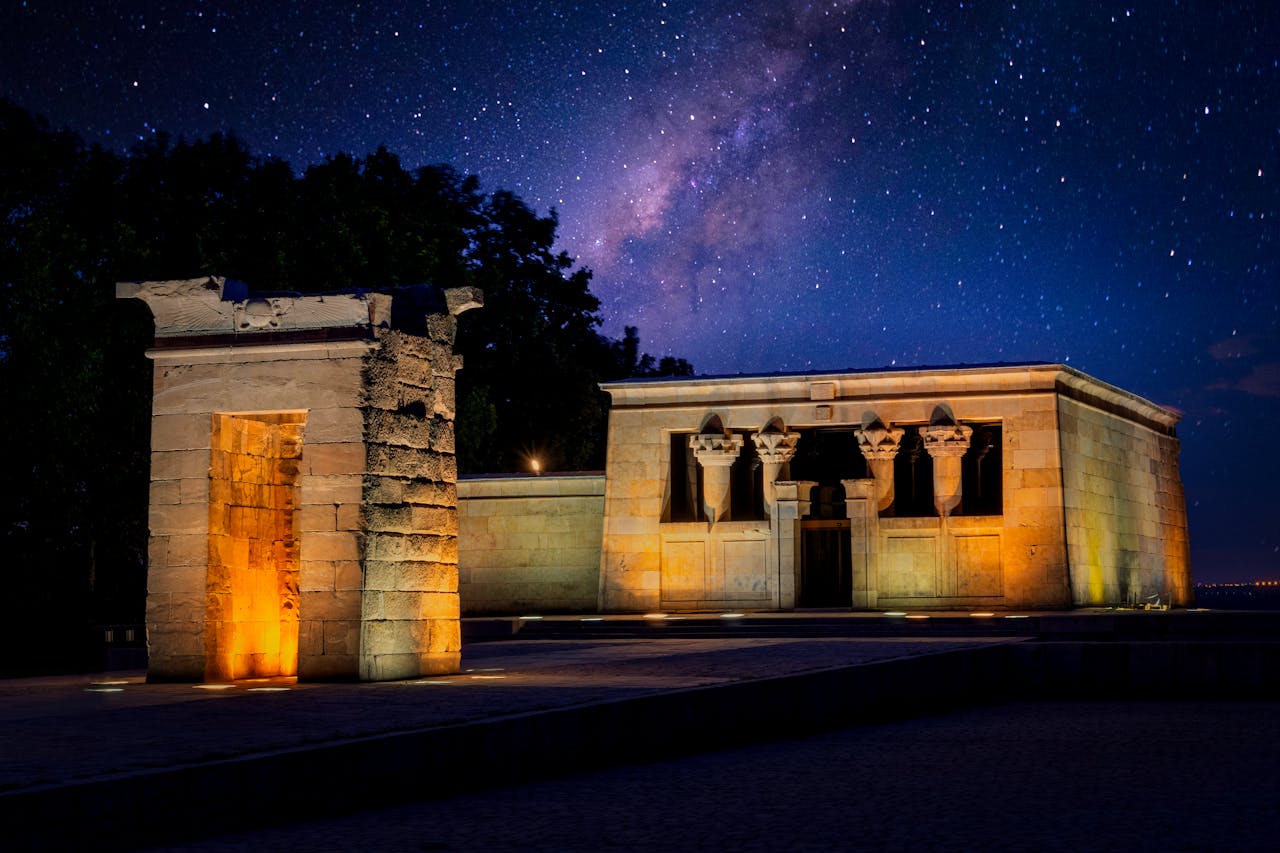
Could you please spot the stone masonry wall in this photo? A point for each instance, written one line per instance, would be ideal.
(189, 390)
(530, 544)
(1125, 510)
(410, 545)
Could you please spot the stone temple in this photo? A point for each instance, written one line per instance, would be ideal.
(303, 503)
(1028, 486)
(307, 518)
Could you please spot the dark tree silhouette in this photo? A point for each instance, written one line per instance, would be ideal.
(74, 219)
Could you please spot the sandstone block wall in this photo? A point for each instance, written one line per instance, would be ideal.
(1125, 510)
(192, 393)
(530, 544)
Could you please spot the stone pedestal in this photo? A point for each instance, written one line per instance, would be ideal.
(303, 486)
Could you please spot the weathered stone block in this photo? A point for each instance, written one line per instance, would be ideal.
(328, 606)
(339, 545)
(325, 459)
(430, 493)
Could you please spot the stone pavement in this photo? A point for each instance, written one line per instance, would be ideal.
(110, 762)
(1052, 777)
(120, 753)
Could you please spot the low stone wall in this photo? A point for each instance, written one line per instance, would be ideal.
(530, 544)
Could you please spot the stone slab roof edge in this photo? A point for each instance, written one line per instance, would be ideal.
(1088, 389)
(1062, 378)
(822, 375)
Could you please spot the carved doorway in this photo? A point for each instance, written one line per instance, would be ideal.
(826, 565)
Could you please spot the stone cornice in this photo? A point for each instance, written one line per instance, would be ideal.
(861, 387)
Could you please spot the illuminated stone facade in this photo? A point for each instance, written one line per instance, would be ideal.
(1021, 486)
(992, 488)
(303, 502)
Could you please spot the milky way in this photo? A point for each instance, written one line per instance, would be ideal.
(785, 185)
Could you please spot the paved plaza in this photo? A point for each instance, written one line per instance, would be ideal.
(655, 741)
(1023, 776)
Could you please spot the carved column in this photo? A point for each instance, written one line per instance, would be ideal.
(716, 453)
(792, 497)
(947, 445)
(879, 445)
(860, 498)
(776, 450)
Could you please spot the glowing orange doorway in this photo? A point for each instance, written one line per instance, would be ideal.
(251, 592)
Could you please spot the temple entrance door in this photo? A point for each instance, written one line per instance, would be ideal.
(826, 568)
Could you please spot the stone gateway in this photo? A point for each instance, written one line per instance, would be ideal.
(303, 483)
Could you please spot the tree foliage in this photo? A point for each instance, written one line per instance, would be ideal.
(74, 219)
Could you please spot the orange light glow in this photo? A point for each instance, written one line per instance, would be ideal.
(252, 581)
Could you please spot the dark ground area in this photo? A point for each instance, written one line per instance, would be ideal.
(1044, 776)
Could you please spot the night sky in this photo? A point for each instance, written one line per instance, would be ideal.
(784, 185)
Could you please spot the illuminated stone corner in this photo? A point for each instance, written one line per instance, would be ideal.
(303, 504)
(716, 453)
(879, 445)
(947, 444)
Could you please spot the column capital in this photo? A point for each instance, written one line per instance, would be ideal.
(946, 440)
(877, 441)
(776, 447)
(716, 449)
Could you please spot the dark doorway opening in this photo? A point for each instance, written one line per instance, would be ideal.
(826, 565)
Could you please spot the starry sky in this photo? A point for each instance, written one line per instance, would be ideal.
(787, 185)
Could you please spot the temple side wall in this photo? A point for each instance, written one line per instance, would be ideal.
(322, 381)
(530, 544)
(1126, 522)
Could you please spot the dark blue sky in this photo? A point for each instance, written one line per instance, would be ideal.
(787, 185)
